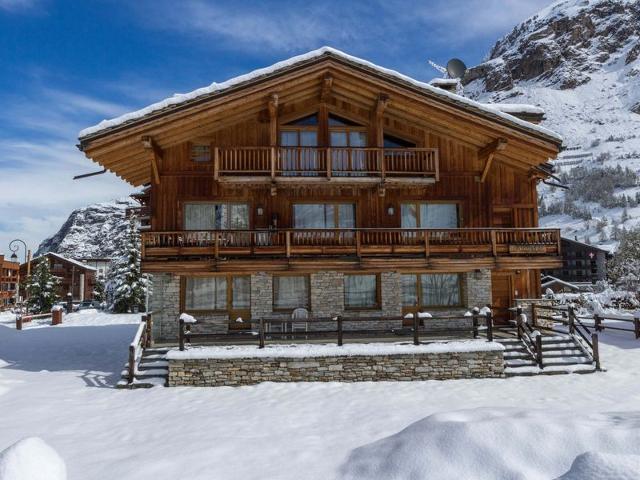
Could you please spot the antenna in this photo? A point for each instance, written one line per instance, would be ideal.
(437, 67)
(456, 68)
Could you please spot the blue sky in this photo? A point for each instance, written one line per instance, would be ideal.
(66, 65)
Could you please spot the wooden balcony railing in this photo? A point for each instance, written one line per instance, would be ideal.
(359, 242)
(325, 162)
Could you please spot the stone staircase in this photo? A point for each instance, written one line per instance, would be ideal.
(561, 354)
(152, 371)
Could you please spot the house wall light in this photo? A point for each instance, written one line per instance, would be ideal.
(391, 210)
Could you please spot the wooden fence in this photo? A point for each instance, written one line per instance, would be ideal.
(141, 340)
(340, 329)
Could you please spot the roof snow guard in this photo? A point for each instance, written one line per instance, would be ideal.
(179, 101)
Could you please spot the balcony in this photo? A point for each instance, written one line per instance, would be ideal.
(325, 164)
(358, 243)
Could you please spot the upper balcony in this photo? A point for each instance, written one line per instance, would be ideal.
(325, 164)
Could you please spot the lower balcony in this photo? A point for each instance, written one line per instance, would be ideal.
(353, 243)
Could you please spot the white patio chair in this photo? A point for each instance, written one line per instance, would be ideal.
(296, 325)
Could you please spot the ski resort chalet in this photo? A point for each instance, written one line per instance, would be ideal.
(326, 186)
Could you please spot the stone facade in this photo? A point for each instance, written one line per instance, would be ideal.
(326, 299)
(248, 371)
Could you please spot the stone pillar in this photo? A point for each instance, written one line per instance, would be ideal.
(327, 294)
(261, 295)
(477, 285)
(390, 290)
(165, 305)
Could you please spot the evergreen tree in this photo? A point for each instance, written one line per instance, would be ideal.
(624, 268)
(99, 289)
(615, 231)
(41, 287)
(130, 285)
(625, 215)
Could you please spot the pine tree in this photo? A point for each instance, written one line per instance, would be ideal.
(624, 268)
(625, 215)
(99, 289)
(41, 287)
(130, 285)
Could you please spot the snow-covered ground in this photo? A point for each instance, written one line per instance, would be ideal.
(56, 383)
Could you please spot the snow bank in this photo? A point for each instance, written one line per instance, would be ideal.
(31, 459)
(331, 350)
(504, 443)
(600, 466)
(178, 99)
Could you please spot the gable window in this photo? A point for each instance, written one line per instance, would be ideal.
(299, 139)
(216, 216)
(324, 215)
(395, 142)
(429, 215)
(345, 138)
(290, 292)
(431, 290)
(200, 152)
(361, 291)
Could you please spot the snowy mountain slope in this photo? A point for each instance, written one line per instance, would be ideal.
(94, 231)
(580, 61)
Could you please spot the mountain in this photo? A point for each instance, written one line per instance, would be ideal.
(94, 231)
(580, 61)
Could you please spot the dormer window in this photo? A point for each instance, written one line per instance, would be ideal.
(200, 152)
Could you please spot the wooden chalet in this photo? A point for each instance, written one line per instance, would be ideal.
(328, 183)
(9, 279)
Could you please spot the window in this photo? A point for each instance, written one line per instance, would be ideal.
(395, 142)
(217, 293)
(205, 293)
(300, 133)
(346, 136)
(361, 291)
(431, 290)
(429, 215)
(200, 152)
(324, 215)
(216, 216)
(290, 292)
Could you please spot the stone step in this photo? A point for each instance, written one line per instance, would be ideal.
(147, 382)
(154, 356)
(528, 371)
(153, 364)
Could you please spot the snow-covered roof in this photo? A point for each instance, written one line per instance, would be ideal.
(444, 81)
(218, 88)
(517, 108)
(550, 280)
(66, 259)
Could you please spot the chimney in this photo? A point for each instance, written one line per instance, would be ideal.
(448, 84)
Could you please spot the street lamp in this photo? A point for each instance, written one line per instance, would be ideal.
(14, 246)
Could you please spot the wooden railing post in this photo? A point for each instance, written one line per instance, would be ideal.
(18, 322)
(416, 328)
(494, 246)
(534, 315)
(340, 332)
(329, 162)
(597, 320)
(261, 333)
(143, 244)
(358, 243)
(426, 244)
(216, 245)
(572, 320)
(489, 321)
(475, 326)
(381, 163)
(132, 364)
(636, 326)
(288, 243)
(539, 350)
(216, 163)
(181, 334)
(596, 350)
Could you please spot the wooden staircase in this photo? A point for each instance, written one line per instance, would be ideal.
(561, 354)
(151, 371)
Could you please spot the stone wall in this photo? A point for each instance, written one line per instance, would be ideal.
(165, 305)
(248, 371)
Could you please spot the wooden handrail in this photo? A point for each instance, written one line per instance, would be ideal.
(140, 341)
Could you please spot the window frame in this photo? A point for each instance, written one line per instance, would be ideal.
(228, 203)
(418, 203)
(274, 308)
(420, 301)
(378, 301)
(228, 295)
(336, 210)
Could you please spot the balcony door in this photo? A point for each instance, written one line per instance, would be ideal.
(347, 140)
(321, 216)
(202, 217)
(429, 215)
(298, 152)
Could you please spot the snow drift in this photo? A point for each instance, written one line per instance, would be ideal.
(31, 459)
(507, 444)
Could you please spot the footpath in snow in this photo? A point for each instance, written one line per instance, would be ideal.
(57, 383)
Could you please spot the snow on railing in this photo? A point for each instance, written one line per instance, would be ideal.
(141, 340)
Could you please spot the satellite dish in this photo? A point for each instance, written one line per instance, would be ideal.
(456, 68)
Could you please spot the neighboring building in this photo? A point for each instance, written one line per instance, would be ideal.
(101, 265)
(75, 276)
(8, 282)
(328, 183)
(581, 263)
(560, 286)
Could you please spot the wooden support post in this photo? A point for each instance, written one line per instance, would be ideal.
(261, 333)
(489, 153)
(534, 315)
(636, 326)
(181, 334)
(597, 320)
(216, 163)
(329, 162)
(426, 244)
(596, 350)
(494, 246)
(18, 322)
(489, 321)
(272, 158)
(156, 155)
(358, 243)
(132, 364)
(475, 326)
(287, 236)
(539, 351)
(340, 331)
(216, 245)
(572, 319)
(416, 328)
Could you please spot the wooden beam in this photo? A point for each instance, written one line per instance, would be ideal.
(156, 154)
(327, 86)
(273, 119)
(489, 152)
